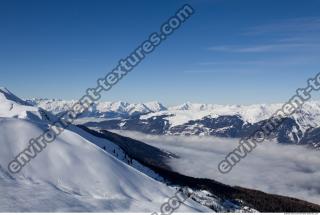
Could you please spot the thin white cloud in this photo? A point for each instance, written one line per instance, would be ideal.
(233, 70)
(218, 63)
(296, 34)
(198, 71)
(279, 61)
(263, 48)
(300, 25)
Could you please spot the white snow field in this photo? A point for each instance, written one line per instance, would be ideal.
(72, 174)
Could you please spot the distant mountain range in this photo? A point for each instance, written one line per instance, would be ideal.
(96, 170)
(234, 121)
(101, 109)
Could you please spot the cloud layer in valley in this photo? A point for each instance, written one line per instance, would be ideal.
(289, 170)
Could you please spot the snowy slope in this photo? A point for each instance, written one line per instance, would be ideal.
(78, 167)
(82, 172)
(155, 106)
(72, 173)
(12, 106)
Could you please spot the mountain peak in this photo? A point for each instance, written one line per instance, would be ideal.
(7, 96)
(186, 106)
(14, 107)
(4, 89)
(155, 106)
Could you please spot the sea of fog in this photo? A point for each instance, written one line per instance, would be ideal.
(289, 170)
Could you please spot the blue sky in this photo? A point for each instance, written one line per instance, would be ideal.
(228, 52)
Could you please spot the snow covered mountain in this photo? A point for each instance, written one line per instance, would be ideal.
(197, 119)
(309, 115)
(12, 106)
(85, 170)
(72, 173)
(101, 109)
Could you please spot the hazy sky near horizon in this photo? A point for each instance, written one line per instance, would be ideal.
(228, 52)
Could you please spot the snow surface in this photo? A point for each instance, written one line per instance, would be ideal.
(12, 106)
(72, 173)
(77, 167)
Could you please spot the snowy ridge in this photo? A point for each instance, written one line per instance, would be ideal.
(12, 106)
(90, 166)
(100, 109)
(307, 116)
